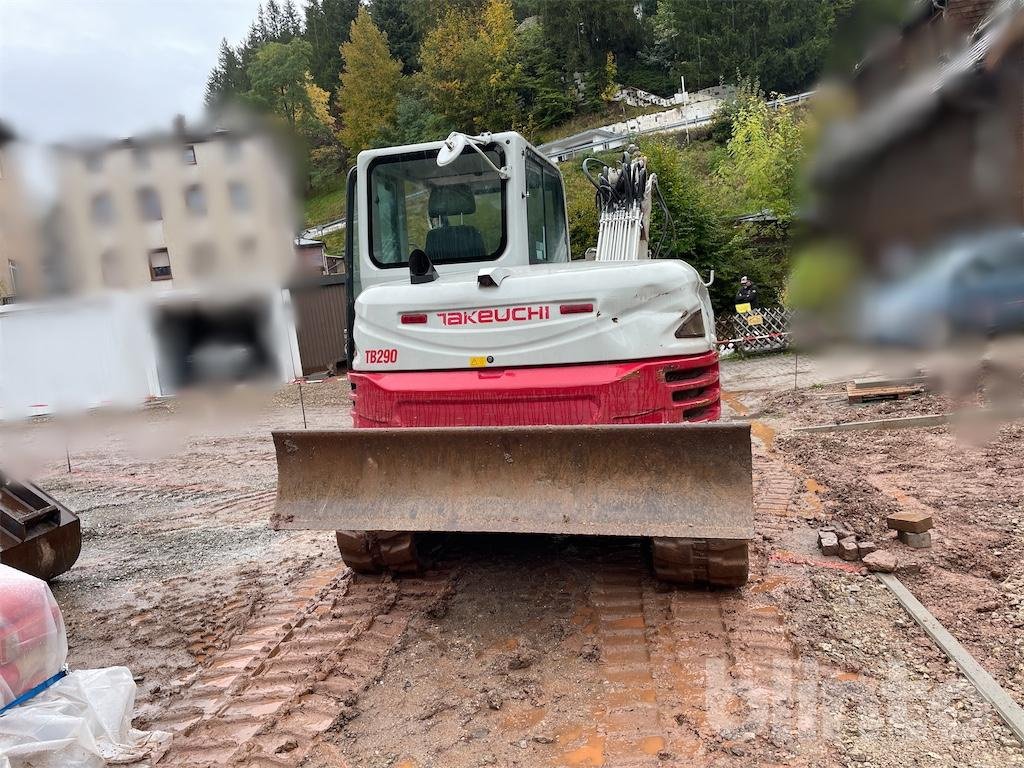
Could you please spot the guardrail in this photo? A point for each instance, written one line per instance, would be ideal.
(618, 141)
(318, 231)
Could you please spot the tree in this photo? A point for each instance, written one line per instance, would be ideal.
(369, 85)
(290, 21)
(279, 80)
(542, 89)
(784, 43)
(469, 70)
(763, 158)
(398, 22)
(327, 27)
(611, 75)
(227, 79)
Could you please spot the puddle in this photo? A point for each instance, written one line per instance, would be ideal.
(734, 402)
(762, 432)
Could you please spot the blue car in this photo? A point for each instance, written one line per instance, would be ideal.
(968, 287)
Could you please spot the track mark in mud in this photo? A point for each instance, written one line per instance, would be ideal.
(242, 509)
(295, 669)
(628, 730)
(690, 676)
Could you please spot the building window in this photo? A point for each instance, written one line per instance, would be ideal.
(190, 155)
(239, 196)
(232, 149)
(94, 162)
(195, 200)
(149, 204)
(102, 209)
(159, 264)
(110, 269)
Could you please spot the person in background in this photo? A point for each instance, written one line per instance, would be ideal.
(747, 294)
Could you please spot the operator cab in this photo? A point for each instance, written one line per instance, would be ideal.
(468, 203)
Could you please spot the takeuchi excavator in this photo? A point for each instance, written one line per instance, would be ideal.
(499, 386)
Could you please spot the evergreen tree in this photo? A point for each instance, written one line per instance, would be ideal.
(292, 23)
(327, 27)
(227, 79)
(542, 86)
(275, 21)
(397, 21)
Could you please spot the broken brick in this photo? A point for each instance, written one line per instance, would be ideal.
(910, 521)
(865, 548)
(829, 543)
(881, 562)
(848, 548)
(916, 540)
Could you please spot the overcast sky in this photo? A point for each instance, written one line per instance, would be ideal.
(109, 68)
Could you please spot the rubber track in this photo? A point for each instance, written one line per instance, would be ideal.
(378, 551)
(290, 676)
(719, 562)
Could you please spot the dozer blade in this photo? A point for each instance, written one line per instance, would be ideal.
(38, 535)
(677, 480)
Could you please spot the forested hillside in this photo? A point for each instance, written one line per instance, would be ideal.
(345, 75)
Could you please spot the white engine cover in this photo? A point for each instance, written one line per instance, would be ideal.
(636, 308)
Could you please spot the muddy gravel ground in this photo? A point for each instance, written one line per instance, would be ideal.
(261, 648)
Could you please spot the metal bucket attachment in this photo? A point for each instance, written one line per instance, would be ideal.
(37, 534)
(675, 480)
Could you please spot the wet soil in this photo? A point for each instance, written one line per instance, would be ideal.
(261, 648)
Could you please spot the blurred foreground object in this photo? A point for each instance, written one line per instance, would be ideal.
(38, 535)
(936, 146)
(33, 641)
(970, 288)
(52, 718)
(161, 265)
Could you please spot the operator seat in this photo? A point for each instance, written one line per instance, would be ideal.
(453, 242)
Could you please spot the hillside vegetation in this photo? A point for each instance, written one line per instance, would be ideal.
(345, 75)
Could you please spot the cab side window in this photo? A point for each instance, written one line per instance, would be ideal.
(548, 240)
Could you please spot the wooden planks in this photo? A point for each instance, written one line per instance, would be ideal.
(866, 394)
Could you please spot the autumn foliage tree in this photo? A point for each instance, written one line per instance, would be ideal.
(370, 80)
(470, 74)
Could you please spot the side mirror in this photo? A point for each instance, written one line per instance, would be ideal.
(421, 268)
(452, 148)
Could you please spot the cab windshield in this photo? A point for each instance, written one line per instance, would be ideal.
(454, 214)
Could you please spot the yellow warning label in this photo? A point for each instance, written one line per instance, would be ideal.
(754, 320)
(743, 308)
(478, 362)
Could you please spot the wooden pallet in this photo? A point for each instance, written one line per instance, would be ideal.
(855, 394)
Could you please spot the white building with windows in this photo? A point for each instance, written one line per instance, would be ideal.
(180, 209)
(174, 250)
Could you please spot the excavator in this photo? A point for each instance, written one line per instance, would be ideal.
(500, 386)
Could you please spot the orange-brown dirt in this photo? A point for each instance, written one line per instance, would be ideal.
(261, 648)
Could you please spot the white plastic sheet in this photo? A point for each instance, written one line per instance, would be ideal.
(33, 642)
(82, 721)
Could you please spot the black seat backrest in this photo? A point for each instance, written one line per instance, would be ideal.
(453, 242)
(461, 242)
